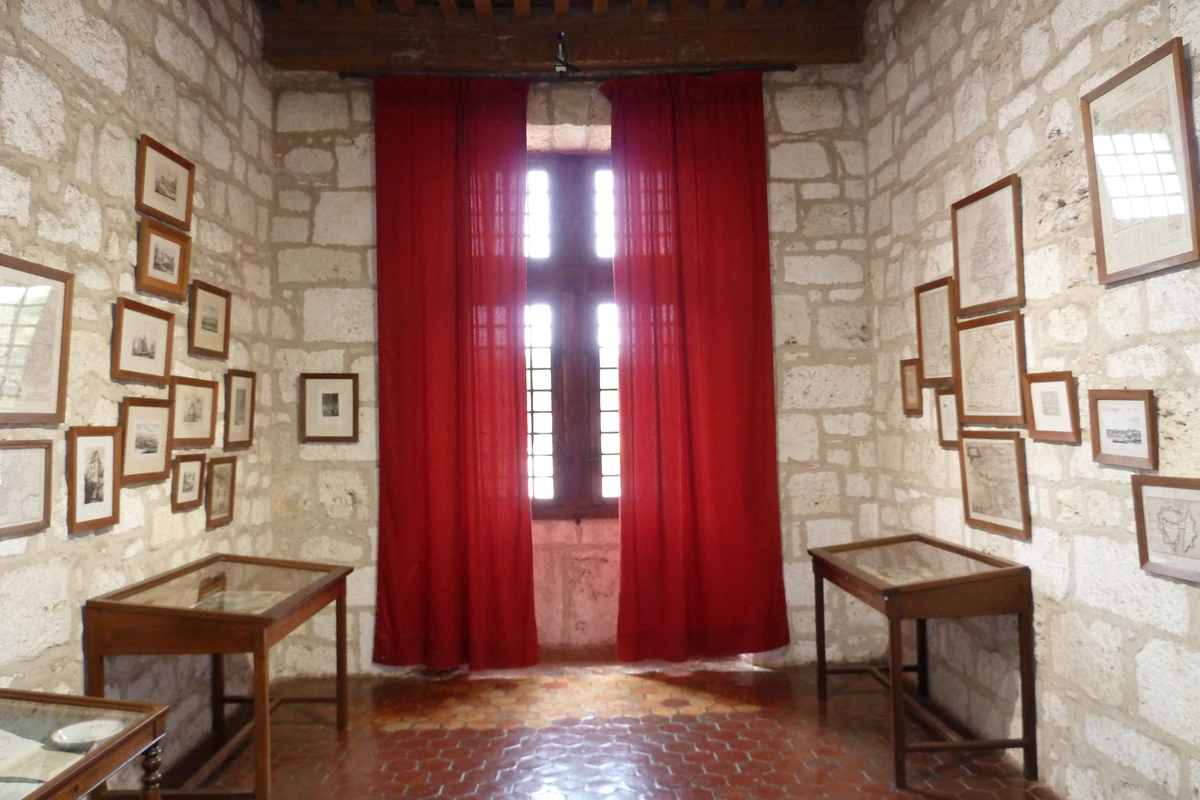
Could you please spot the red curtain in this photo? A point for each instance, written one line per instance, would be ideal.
(455, 581)
(701, 562)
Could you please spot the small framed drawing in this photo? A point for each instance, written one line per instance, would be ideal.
(991, 361)
(1124, 428)
(208, 321)
(164, 255)
(937, 303)
(910, 386)
(947, 417)
(142, 340)
(989, 270)
(328, 407)
(187, 482)
(194, 412)
(164, 183)
(24, 486)
(146, 443)
(1166, 511)
(1137, 131)
(93, 479)
(995, 491)
(35, 325)
(1052, 406)
(222, 488)
(239, 408)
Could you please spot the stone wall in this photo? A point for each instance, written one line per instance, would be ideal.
(959, 94)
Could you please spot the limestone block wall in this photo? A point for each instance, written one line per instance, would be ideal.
(960, 93)
(79, 83)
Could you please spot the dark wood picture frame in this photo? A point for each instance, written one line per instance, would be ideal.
(1064, 400)
(911, 394)
(239, 435)
(946, 402)
(1011, 330)
(971, 446)
(1163, 69)
(313, 410)
(936, 343)
(159, 175)
(131, 439)
(216, 513)
(177, 472)
(129, 342)
(988, 208)
(184, 392)
(204, 309)
(97, 482)
(1161, 508)
(148, 276)
(1136, 406)
(16, 407)
(30, 522)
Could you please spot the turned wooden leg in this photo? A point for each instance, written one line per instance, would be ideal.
(151, 778)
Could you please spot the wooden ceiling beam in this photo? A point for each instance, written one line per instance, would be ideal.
(328, 6)
(406, 7)
(365, 7)
(523, 9)
(289, 5)
(562, 8)
(449, 8)
(599, 8)
(752, 6)
(715, 6)
(483, 10)
(678, 7)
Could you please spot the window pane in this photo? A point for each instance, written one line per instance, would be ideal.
(610, 440)
(539, 400)
(605, 221)
(537, 214)
(610, 486)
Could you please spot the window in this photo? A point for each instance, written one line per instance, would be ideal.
(571, 339)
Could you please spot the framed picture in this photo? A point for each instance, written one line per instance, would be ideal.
(35, 324)
(989, 270)
(995, 491)
(222, 488)
(991, 361)
(1124, 428)
(910, 386)
(24, 486)
(1166, 511)
(1051, 406)
(328, 407)
(165, 181)
(146, 445)
(947, 417)
(1137, 131)
(142, 342)
(187, 482)
(93, 479)
(194, 412)
(239, 408)
(164, 255)
(937, 304)
(208, 321)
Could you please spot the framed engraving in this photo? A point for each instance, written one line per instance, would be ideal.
(187, 482)
(146, 443)
(329, 407)
(1137, 131)
(995, 491)
(221, 492)
(24, 486)
(35, 325)
(164, 257)
(142, 342)
(937, 304)
(910, 386)
(989, 270)
(165, 181)
(239, 408)
(1124, 428)
(947, 417)
(208, 321)
(1051, 406)
(991, 361)
(194, 404)
(93, 479)
(1167, 513)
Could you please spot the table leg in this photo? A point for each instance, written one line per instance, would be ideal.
(1028, 698)
(822, 672)
(342, 699)
(151, 778)
(218, 696)
(262, 724)
(922, 658)
(896, 680)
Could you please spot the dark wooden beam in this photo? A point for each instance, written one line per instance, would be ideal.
(407, 7)
(328, 6)
(638, 6)
(365, 7)
(790, 5)
(752, 6)
(449, 9)
(390, 43)
(562, 8)
(715, 6)
(483, 10)
(522, 9)
(599, 8)
(828, 4)
(678, 7)
(289, 5)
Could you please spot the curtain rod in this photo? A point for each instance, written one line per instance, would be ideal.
(548, 75)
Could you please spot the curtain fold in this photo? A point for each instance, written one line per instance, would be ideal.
(701, 561)
(455, 580)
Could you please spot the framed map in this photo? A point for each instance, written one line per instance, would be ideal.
(1124, 428)
(989, 269)
(1167, 512)
(24, 486)
(910, 387)
(35, 326)
(991, 363)
(937, 303)
(947, 416)
(1052, 405)
(995, 491)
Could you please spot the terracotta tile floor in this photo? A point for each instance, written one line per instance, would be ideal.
(709, 731)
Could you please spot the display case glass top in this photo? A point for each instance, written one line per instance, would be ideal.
(913, 561)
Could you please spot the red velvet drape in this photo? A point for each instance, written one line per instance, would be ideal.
(701, 561)
(455, 581)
